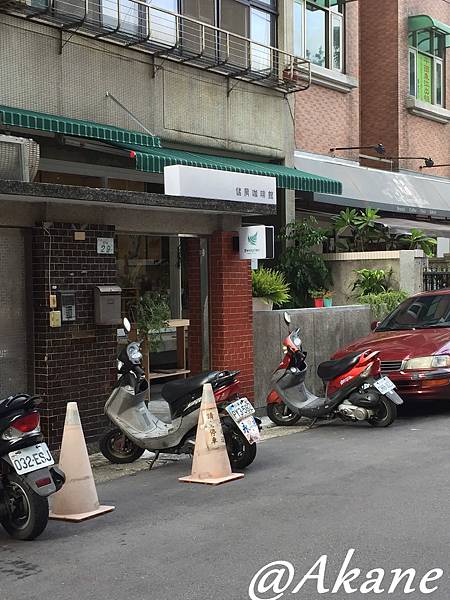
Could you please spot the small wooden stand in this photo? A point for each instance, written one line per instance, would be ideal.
(180, 325)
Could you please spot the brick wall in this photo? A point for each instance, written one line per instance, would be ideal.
(385, 84)
(230, 294)
(324, 117)
(76, 362)
(419, 136)
(379, 74)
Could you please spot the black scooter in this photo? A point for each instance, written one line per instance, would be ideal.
(28, 474)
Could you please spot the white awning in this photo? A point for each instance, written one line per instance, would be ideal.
(406, 225)
(389, 191)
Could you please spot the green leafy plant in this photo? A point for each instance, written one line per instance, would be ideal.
(304, 267)
(151, 315)
(328, 294)
(270, 285)
(316, 293)
(372, 281)
(384, 303)
(418, 240)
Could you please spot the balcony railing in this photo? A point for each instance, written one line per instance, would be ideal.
(133, 23)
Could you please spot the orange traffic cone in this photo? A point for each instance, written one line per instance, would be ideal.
(77, 500)
(211, 464)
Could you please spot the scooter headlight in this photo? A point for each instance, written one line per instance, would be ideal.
(134, 353)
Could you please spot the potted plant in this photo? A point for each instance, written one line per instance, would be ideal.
(317, 296)
(269, 288)
(328, 298)
(151, 315)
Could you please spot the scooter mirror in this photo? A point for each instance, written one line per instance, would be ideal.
(287, 318)
(127, 325)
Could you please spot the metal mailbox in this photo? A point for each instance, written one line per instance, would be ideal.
(107, 304)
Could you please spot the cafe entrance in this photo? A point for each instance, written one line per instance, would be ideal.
(156, 267)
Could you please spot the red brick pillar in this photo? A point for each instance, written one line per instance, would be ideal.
(230, 296)
(194, 306)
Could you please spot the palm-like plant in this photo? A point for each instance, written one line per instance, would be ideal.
(418, 240)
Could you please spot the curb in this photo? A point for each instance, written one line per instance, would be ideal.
(105, 471)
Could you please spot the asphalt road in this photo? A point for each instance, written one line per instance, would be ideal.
(382, 492)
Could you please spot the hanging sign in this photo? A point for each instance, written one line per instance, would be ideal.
(196, 182)
(256, 241)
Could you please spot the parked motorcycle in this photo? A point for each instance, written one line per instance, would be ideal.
(28, 473)
(138, 428)
(355, 389)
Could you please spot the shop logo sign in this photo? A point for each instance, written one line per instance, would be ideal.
(253, 239)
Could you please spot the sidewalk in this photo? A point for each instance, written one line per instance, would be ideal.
(105, 471)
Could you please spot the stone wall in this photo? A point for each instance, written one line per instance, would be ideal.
(407, 270)
(323, 332)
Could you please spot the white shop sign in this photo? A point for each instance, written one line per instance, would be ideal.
(196, 182)
(255, 241)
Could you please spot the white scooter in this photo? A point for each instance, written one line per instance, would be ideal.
(138, 428)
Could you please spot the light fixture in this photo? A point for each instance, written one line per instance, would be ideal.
(433, 166)
(379, 148)
(429, 162)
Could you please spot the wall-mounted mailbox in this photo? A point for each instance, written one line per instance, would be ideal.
(107, 304)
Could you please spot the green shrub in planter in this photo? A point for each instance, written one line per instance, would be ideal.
(384, 303)
(270, 285)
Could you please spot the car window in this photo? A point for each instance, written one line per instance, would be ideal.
(421, 312)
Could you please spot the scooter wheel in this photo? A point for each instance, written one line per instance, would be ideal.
(27, 512)
(240, 452)
(118, 449)
(385, 415)
(280, 414)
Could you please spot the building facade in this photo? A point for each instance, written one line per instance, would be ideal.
(112, 93)
(388, 149)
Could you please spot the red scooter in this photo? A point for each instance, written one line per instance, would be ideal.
(355, 389)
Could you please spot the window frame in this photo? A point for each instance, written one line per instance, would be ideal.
(331, 15)
(436, 60)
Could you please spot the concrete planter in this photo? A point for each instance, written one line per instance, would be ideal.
(407, 270)
(262, 304)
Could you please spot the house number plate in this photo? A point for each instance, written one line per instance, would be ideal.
(105, 245)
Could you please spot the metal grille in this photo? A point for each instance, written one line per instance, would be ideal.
(389, 366)
(436, 280)
(13, 323)
(134, 23)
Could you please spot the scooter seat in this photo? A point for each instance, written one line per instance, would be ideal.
(333, 368)
(12, 403)
(174, 390)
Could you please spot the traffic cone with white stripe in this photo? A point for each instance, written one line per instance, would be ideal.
(77, 500)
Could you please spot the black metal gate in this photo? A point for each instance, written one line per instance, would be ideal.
(436, 280)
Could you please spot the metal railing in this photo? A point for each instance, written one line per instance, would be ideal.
(133, 23)
(436, 280)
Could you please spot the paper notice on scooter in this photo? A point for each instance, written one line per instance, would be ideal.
(213, 429)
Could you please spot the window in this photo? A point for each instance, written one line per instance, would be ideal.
(426, 66)
(319, 32)
(254, 19)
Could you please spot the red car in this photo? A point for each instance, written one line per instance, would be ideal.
(414, 345)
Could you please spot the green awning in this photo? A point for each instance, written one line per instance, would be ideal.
(154, 160)
(28, 119)
(419, 22)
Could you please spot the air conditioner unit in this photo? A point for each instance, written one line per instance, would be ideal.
(19, 158)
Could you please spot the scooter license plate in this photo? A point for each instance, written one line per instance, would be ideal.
(241, 412)
(31, 459)
(384, 385)
(240, 409)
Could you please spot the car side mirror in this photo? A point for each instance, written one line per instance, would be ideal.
(374, 325)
